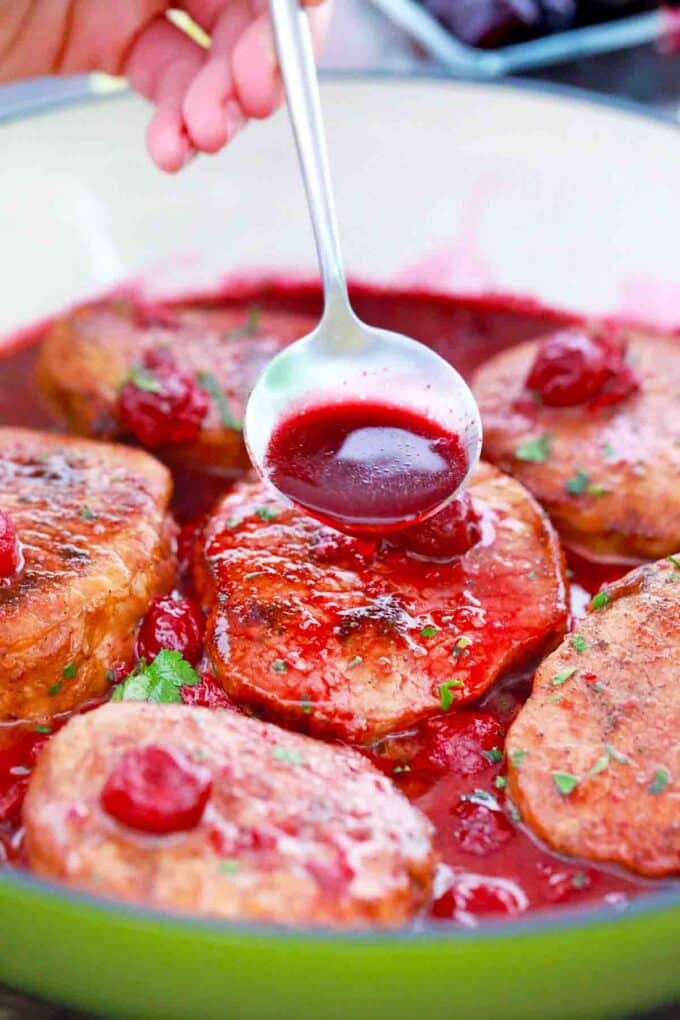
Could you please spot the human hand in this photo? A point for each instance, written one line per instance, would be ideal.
(202, 96)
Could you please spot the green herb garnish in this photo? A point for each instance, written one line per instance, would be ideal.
(500, 782)
(578, 484)
(306, 706)
(565, 782)
(534, 450)
(579, 643)
(659, 782)
(87, 514)
(494, 755)
(517, 757)
(446, 697)
(600, 600)
(429, 632)
(616, 756)
(55, 688)
(247, 328)
(43, 729)
(69, 671)
(229, 866)
(561, 678)
(579, 880)
(356, 661)
(278, 666)
(287, 755)
(158, 681)
(600, 765)
(143, 380)
(674, 561)
(266, 513)
(461, 647)
(208, 382)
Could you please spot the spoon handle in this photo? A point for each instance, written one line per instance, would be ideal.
(296, 60)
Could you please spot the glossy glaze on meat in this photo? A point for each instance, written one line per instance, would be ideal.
(609, 477)
(594, 754)
(294, 831)
(96, 546)
(353, 642)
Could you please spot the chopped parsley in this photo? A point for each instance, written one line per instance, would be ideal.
(600, 600)
(143, 380)
(429, 632)
(266, 513)
(287, 755)
(278, 666)
(561, 678)
(461, 647)
(500, 782)
(674, 561)
(158, 681)
(608, 451)
(208, 382)
(306, 706)
(398, 769)
(579, 643)
(43, 729)
(247, 328)
(578, 484)
(483, 798)
(565, 782)
(659, 782)
(494, 755)
(446, 696)
(620, 759)
(55, 688)
(600, 765)
(514, 813)
(534, 451)
(87, 514)
(597, 490)
(555, 700)
(517, 757)
(229, 866)
(580, 880)
(356, 661)
(69, 671)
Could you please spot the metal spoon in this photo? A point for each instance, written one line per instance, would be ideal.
(343, 358)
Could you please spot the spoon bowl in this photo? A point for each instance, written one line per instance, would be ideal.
(393, 470)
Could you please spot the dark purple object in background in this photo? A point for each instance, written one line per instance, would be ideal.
(492, 23)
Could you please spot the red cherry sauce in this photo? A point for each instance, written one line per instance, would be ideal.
(10, 550)
(365, 467)
(154, 790)
(172, 622)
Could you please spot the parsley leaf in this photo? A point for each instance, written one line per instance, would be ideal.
(266, 513)
(674, 561)
(446, 697)
(429, 632)
(500, 782)
(247, 328)
(534, 450)
(494, 755)
(54, 689)
(578, 484)
(143, 380)
(579, 643)
(208, 382)
(461, 647)
(287, 755)
(159, 681)
(87, 514)
(278, 666)
(69, 671)
(659, 782)
(600, 765)
(617, 756)
(356, 661)
(565, 782)
(43, 729)
(600, 600)
(517, 757)
(229, 866)
(561, 678)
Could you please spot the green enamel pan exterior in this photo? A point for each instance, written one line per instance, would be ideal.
(121, 962)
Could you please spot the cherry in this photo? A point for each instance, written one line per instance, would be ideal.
(155, 790)
(207, 693)
(161, 404)
(570, 368)
(480, 830)
(457, 743)
(451, 532)
(574, 367)
(10, 550)
(172, 623)
(473, 894)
